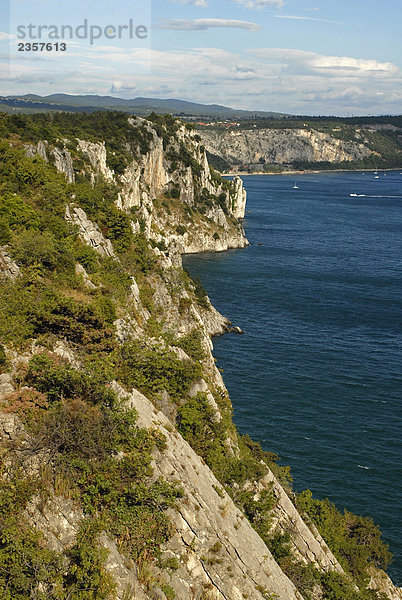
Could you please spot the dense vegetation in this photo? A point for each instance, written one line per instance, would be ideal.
(84, 440)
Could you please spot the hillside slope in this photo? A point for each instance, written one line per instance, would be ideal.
(122, 474)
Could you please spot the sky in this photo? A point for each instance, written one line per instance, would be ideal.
(339, 57)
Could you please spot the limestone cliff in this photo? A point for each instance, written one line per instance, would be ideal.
(282, 146)
(97, 317)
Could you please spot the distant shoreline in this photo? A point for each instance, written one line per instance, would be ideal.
(307, 172)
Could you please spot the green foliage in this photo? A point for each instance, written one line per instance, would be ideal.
(31, 247)
(17, 214)
(87, 578)
(199, 291)
(3, 356)
(185, 158)
(92, 440)
(196, 421)
(119, 229)
(29, 307)
(107, 309)
(123, 142)
(279, 544)
(29, 569)
(5, 233)
(86, 256)
(192, 344)
(141, 259)
(180, 229)
(153, 370)
(25, 562)
(99, 203)
(339, 587)
(168, 591)
(58, 380)
(354, 540)
(114, 277)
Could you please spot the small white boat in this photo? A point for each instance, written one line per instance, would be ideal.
(376, 177)
(353, 195)
(295, 187)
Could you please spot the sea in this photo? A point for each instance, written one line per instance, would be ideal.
(317, 376)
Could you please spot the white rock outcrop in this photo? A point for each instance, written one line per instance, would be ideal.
(282, 146)
(89, 231)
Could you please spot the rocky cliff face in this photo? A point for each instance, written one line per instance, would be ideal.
(213, 550)
(158, 176)
(282, 146)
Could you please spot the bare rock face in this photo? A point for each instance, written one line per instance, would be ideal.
(144, 179)
(381, 582)
(64, 163)
(281, 146)
(88, 231)
(215, 545)
(62, 157)
(307, 543)
(80, 270)
(239, 203)
(39, 149)
(96, 154)
(149, 177)
(8, 268)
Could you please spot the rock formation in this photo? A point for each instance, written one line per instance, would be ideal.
(282, 146)
(174, 204)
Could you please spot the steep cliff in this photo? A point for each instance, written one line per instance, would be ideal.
(283, 146)
(122, 475)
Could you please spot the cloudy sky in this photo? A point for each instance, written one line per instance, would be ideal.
(298, 56)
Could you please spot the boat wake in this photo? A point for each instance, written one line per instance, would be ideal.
(371, 196)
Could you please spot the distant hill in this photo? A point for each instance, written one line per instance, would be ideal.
(140, 106)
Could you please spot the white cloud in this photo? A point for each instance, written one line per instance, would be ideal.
(6, 36)
(259, 3)
(246, 3)
(299, 61)
(300, 18)
(204, 24)
(202, 3)
(288, 80)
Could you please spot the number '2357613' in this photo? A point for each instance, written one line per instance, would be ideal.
(41, 47)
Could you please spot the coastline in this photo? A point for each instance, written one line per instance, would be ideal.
(308, 172)
(225, 311)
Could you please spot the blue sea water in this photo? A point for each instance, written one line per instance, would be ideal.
(317, 376)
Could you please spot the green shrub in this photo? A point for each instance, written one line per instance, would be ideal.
(5, 233)
(192, 344)
(84, 442)
(153, 370)
(87, 578)
(16, 213)
(354, 540)
(31, 307)
(87, 257)
(118, 228)
(3, 356)
(199, 291)
(140, 258)
(31, 247)
(58, 380)
(181, 230)
(168, 591)
(25, 562)
(107, 309)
